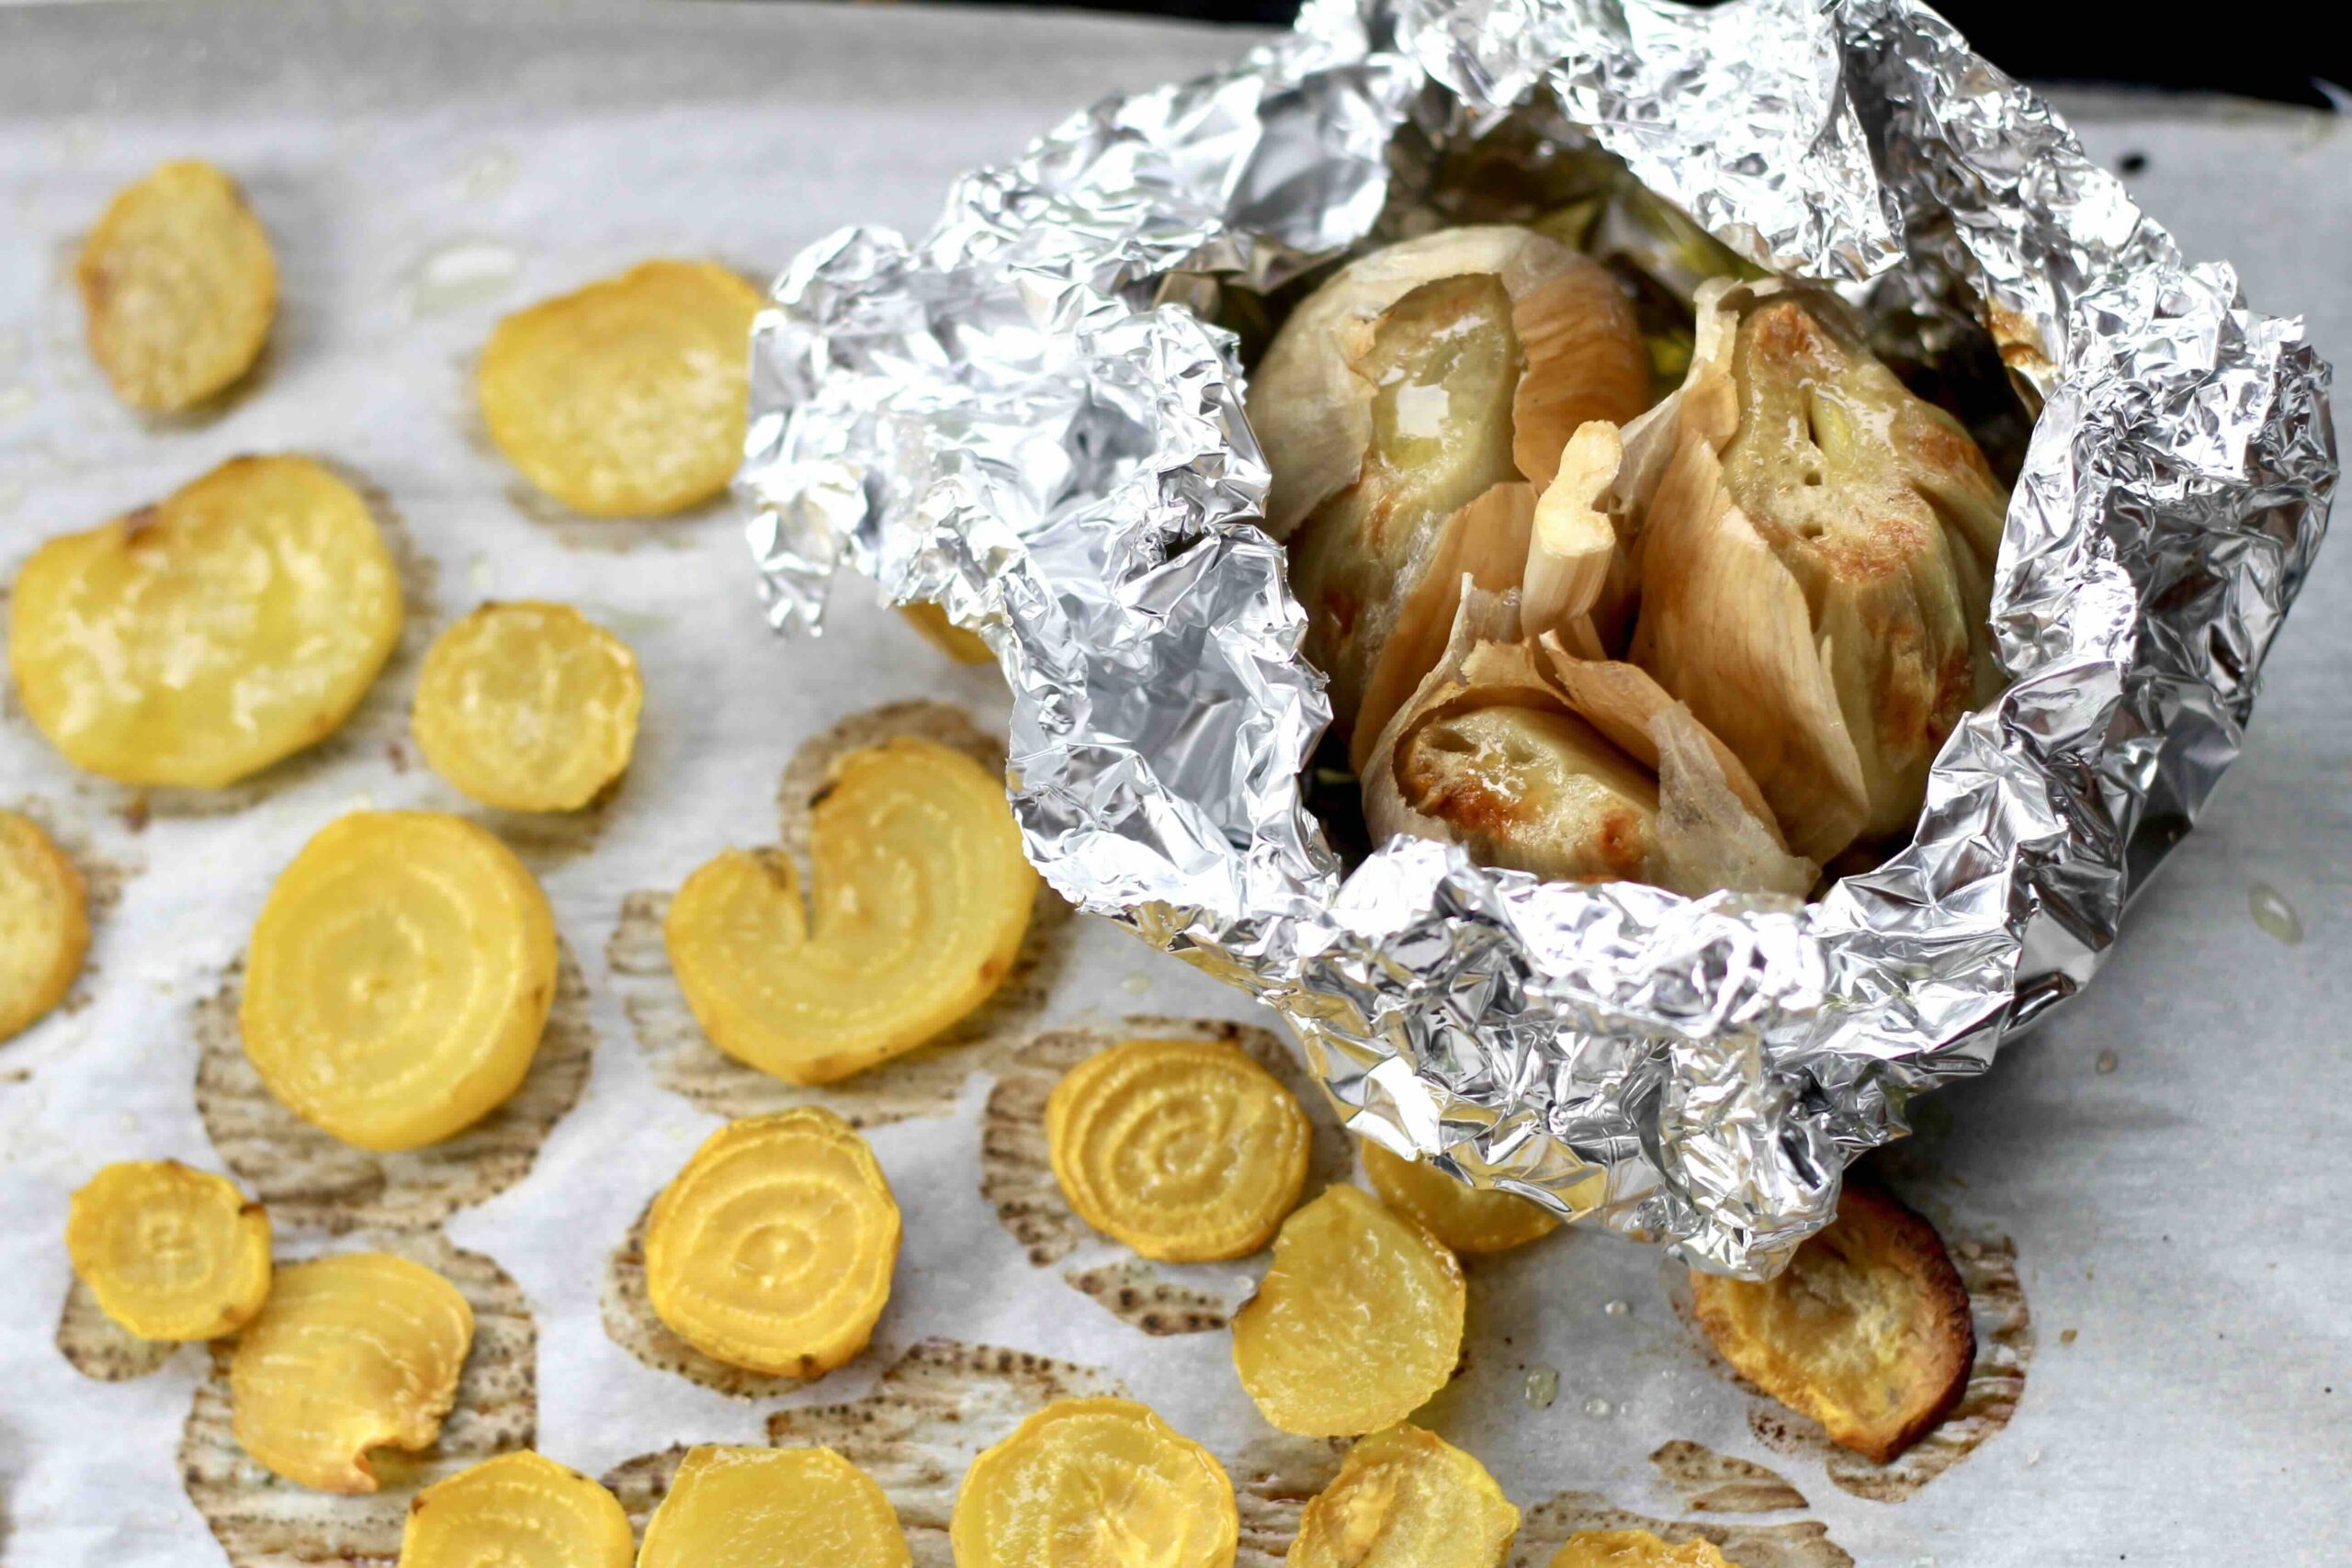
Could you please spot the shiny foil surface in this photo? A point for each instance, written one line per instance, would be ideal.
(1022, 416)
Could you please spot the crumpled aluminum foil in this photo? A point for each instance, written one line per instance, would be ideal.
(1022, 417)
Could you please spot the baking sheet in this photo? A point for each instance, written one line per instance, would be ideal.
(2178, 1370)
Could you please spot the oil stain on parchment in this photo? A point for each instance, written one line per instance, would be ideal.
(1017, 1177)
(1549, 1524)
(312, 1179)
(631, 1323)
(264, 1521)
(97, 1347)
(1988, 1268)
(379, 721)
(921, 1083)
(1714, 1483)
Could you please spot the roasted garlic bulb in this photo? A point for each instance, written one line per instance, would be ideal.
(1405, 1498)
(1094, 1482)
(1357, 1323)
(1815, 549)
(1867, 1330)
(1414, 382)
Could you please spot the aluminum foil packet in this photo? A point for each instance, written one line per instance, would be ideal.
(1029, 416)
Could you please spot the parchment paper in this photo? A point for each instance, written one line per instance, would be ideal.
(2174, 1344)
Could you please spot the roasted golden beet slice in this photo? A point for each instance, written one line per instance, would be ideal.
(745, 1508)
(1465, 1218)
(1186, 1150)
(1867, 1330)
(518, 1510)
(44, 924)
(1635, 1549)
(398, 978)
(201, 639)
(171, 1253)
(179, 286)
(627, 397)
(529, 707)
(351, 1353)
(921, 898)
(1357, 1323)
(1095, 1484)
(773, 1249)
(1405, 1499)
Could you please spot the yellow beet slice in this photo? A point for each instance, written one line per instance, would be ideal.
(44, 924)
(963, 647)
(773, 1248)
(398, 978)
(518, 1510)
(1357, 1323)
(179, 286)
(198, 640)
(1464, 1217)
(737, 1507)
(627, 399)
(1867, 1330)
(1186, 1150)
(1635, 1549)
(171, 1253)
(1403, 1498)
(921, 898)
(1095, 1484)
(529, 707)
(351, 1352)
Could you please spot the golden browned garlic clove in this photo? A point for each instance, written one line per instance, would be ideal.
(1410, 386)
(1815, 550)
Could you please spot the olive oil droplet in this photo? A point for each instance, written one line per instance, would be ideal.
(2276, 917)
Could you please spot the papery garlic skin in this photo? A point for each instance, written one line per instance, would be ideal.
(1815, 550)
(1411, 385)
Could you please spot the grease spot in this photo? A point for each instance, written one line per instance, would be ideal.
(924, 1082)
(1714, 1483)
(310, 1178)
(262, 1521)
(460, 273)
(99, 1347)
